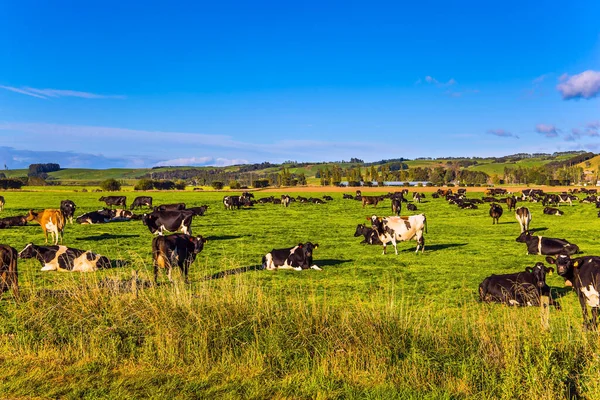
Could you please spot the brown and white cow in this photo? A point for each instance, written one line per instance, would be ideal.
(523, 217)
(51, 220)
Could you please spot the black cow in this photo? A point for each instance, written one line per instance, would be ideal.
(68, 209)
(160, 221)
(63, 258)
(411, 207)
(20, 220)
(231, 202)
(140, 201)
(495, 212)
(347, 196)
(521, 288)
(199, 211)
(176, 249)
(328, 198)
(114, 200)
(546, 246)
(370, 234)
(316, 201)
(9, 276)
(511, 202)
(297, 258)
(170, 207)
(583, 273)
(396, 205)
(553, 211)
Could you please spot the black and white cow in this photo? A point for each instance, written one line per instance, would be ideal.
(114, 200)
(370, 234)
(63, 258)
(95, 217)
(68, 209)
(553, 211)
(297, 258)
(583, 273)
(231, 202)
(399, 229)
(565, 198)
(546, 246)
(170, 207)
(495, 212)
(285, 200)
(173, 221)
(176, 249)
(523, 217)
(141, 201)
(518, 289)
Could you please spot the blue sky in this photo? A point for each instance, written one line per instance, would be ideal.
(214, 83)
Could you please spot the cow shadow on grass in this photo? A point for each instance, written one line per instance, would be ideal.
(104, 236)
(534, 230)
(330, 262)
(432, 247)
(224, 237)
(234, 271)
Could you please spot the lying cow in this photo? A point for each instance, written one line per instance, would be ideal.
(540, 245)
(173, 221)
(63, 258)
(400, 229)
(553, 211)
(141, 201)
(520, 289)
(199, 211)
(583, 273)
(370, 234)
(523, 217)
(67, 207)
(7, 222)
(94, 217)
(176, 249)
(297, 258)
(371, 200)
(9, 276)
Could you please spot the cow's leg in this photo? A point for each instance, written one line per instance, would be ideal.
(582, 301)
(315, 268)
(394, 243)
(155, 265)
(384, 246)
(594, 317)
(184, 270)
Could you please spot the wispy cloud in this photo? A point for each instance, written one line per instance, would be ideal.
(536, 85)
(584, 85)
(547, 130)
(431, 80)
(201, 161)
(57, 93)
(501, 133)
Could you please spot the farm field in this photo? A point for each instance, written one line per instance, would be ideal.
(367, 326)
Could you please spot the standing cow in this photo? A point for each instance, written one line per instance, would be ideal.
(67, 207)
(141, 201)
(495, 212)
(523, 217)
(400, 229)
(50, 220)
(9, 277)
(176, 249)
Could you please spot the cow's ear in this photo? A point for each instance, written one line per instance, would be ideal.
(368, 218)
(576, 264)
(549, 270)
(316, 245)
(300, 245)
(550, 260)
(529, 269)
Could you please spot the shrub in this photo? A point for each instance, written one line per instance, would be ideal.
(11, 183)
(144, 184)
(261, 183)
(233, 184)
(217, 185)
(180, 185)
(110, 185)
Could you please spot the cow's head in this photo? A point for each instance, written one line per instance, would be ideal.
(31, 215)
(102, 198)
(539, 271)
(28, 252)
(309, 248)
(103, 263)
(523, 237)
(360, 229)
(563, 263)
(150, 221)
(198, 242)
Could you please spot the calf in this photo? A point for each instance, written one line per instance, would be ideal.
(495, 212)
(50, 220)
(176, 249)
(9, 276)
(67, 207)
(370, 234)
(399, 229)
(583, 273)
(170, 207)
(114, 200)
(521, 288)
(160, 221)
(297, 258)
(141, 201)
(63, 258)
(553, 211)
(546, 246)
(523, 217)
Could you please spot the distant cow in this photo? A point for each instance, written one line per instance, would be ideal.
(170, 207)
(396, 205)
(141, 201)
(114, 200)
(495, 212)
(285, 200)
(553, 211)
(583, 273)
(67, 207)
(176, 249)
(297, 258)
(417, 197)
(347, 196)
(231, 202)
(198, 210)
(63, 258)
(521, 288)
(370, 200)
(400, 229)
(2, 202)
(546, 246)
(523, 217)
(7, 222)
(9, 276)
(511, 202)
(370, 234)
(328, 198)
(50, 220)
(411, 207)
(160, 221)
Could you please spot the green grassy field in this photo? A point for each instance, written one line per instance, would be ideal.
(367, 326)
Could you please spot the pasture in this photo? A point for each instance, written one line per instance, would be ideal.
(367, 326)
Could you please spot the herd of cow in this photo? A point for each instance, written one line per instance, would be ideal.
(180, 249)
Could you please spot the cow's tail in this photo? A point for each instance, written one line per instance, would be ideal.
(264, 262)
(425, 222)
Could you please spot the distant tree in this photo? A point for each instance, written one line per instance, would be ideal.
(217, 185)
(180, 185)
(110, 185)
(233, 184)
(261, 183)
(144, 184)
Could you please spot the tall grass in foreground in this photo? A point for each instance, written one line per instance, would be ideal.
(233, 338)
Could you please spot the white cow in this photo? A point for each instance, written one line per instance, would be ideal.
(399, 229)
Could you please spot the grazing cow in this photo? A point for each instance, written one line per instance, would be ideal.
(583, 273)
(523, 217)
(495, 212)
(297, 258)
(199, 211)
(67, 207)
(114, 200)
(170, 207)
(550, 199)
(160, 221)
(231, 202)
(370, 200)
(347, 196)
(140, 201)
(396, 205)
(411, 207)
(370, 234)
(285, 200)
(6, 222)
(2, 202)
(328, 198)
(520, 289)
(9, 276)
(546, 246)
(565, 198)
(400, 229)
(511, 202)
(50, 220)
(176, 249)
(63, 258)
(553, 211)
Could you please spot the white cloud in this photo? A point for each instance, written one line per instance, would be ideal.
(46, 93)
(547, 130)
(584, 85)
